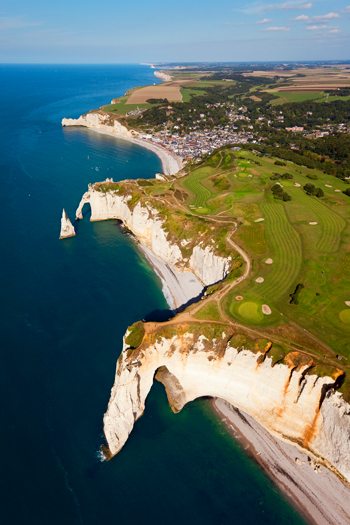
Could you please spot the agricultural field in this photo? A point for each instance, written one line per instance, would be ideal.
(122, 107)
(170, 90)
(297, 96)
(304, 241)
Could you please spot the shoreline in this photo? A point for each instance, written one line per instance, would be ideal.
(171, 164)
(178, 288)
(318, 495)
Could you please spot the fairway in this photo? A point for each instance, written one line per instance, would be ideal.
(330, 223)
(285, 249)
(194, 184)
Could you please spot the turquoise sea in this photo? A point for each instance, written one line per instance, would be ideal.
(64, 308)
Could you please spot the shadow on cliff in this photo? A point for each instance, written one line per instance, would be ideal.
(159, 316)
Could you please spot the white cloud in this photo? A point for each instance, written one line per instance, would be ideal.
(7, 22)
(334, 31)
(346, 9)
(316, 28)
(288, 6)
(301, 17)
(265, 21)
(276, 29)
(330, 16)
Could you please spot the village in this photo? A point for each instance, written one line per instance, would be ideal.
(198, 142)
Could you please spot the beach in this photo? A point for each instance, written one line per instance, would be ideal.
(171, 163)
(317, 493)
(178, 288)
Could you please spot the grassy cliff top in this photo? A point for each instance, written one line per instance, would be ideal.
(296, 292)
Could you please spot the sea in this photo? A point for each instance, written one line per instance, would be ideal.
(65, 305)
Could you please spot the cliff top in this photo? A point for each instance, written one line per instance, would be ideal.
(290, 276)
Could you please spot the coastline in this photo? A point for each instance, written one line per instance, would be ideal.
(319, 495)
(178, 288)
(171, 164)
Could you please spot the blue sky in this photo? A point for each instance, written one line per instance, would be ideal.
(76, 31)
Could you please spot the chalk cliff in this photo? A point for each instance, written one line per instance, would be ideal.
(67, 228)
(287, 399)
(100, 120)
(145, 222)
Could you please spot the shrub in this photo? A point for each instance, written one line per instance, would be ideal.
(309, 188)
(136, 334)
(347, 192)
(157, 101)
(294, 297)
(280, 163)
(286, 176)
(312, 176)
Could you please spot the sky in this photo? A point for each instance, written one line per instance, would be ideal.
(115, 31)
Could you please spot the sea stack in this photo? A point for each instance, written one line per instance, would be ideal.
(67, 228)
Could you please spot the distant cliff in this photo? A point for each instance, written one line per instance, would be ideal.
(194, 360)
(101, 120)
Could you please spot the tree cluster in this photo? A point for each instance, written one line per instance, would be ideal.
(312, 190)
(279, 193)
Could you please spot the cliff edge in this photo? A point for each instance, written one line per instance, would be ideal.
(103, 121)
(194, 360)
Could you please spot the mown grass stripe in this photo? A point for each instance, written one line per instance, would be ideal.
(285, 246)
(330, 223)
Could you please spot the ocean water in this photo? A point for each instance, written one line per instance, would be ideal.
(64, 308)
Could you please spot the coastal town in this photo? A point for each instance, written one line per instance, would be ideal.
(200, 140)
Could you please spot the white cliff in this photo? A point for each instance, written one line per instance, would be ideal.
(102, 121)
(164, 76)
(286, 399)
(146, 224)
(67, 228)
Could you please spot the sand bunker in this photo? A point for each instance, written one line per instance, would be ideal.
(338, 191)
(313, 223)
(328, 186)
(269, 261)
(266, 309)
(297, 185)
(259, 220)
(259, 280)
(239, 298)
(347, 303)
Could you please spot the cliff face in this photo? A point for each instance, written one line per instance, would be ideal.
(100, 120)
(297, 407)
(146, 224)
(67, 228)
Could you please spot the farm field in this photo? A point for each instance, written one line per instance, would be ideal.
(296, 96)
(236, 186)
(171, 92)
(187, 94)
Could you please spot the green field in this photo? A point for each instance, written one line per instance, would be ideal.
(295, 96)
(187, 94)
(318, 256)
(121, 108)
